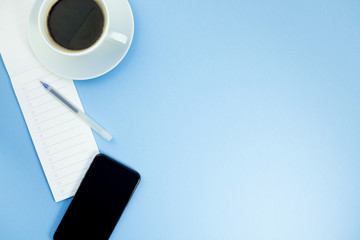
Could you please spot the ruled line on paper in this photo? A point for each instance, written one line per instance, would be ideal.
(72, 182)
(37, 114)
(67, 148)
(57, 134)
(71, 155)
(64, 140)
(51, 118)
(62, 123)
(70, 165)
(71, 173)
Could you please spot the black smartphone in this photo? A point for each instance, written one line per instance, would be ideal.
(99, 201)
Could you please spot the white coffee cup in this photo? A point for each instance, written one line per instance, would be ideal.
(107, 33)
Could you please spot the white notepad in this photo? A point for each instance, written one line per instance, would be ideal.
(64, 144)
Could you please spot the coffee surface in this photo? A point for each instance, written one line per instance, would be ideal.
(75, 24)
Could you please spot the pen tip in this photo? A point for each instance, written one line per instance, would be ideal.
(44, 84)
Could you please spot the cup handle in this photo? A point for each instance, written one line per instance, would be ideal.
(119, 37)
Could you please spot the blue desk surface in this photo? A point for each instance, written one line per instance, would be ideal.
(243, 118)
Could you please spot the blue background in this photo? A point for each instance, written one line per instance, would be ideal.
(241, 116)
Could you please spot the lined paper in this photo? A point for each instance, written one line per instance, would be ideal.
(64, 144)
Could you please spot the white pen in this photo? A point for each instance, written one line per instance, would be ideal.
(88, 120)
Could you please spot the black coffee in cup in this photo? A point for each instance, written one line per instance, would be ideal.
(75, 25)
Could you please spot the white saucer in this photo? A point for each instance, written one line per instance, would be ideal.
(94, 64)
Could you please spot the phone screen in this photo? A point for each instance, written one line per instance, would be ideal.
(99, 201)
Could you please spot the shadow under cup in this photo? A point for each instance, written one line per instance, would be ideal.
(74, 26)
